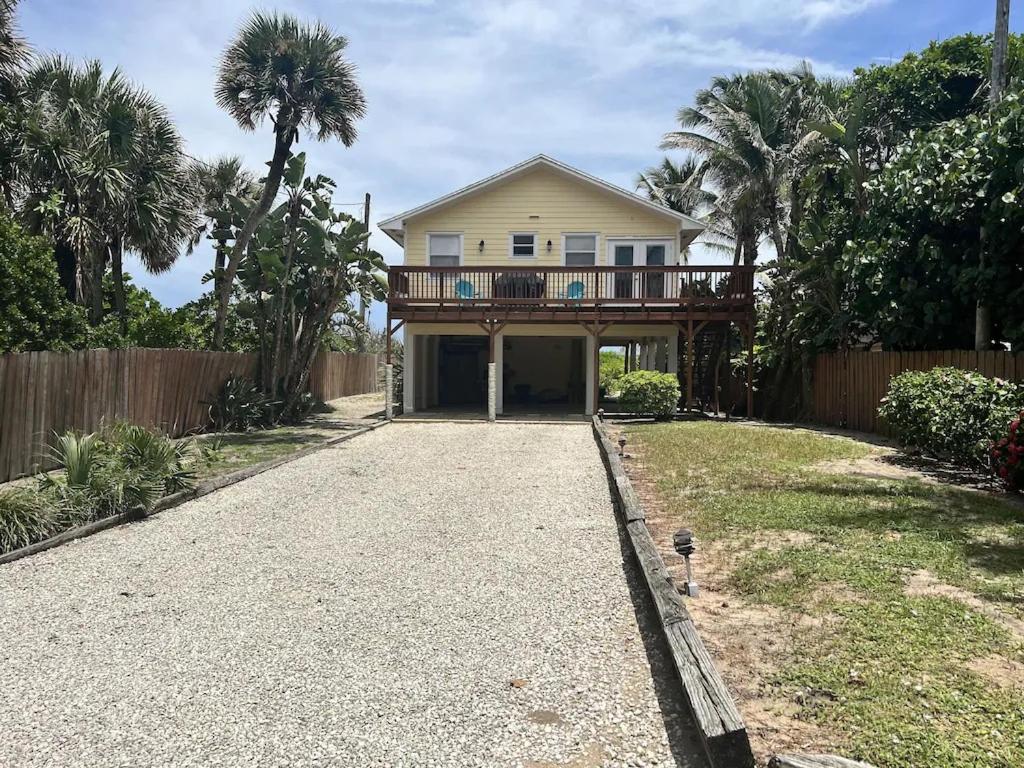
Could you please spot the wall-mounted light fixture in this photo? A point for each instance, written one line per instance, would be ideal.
(481, 246)
(549, 246)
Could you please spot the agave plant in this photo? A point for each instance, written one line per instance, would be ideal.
(239, 406)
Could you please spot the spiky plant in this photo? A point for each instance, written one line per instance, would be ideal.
(26, 516)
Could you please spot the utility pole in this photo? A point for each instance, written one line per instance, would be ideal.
(1000, 42)
(366, 246)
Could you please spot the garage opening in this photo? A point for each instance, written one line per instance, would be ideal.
(462, 371)
(544, 374)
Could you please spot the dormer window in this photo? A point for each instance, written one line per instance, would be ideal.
(522, 245)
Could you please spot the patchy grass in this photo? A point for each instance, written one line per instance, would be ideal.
(227, 453)
(887, 673)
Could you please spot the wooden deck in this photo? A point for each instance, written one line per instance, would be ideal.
(571, 294)
(595, 297)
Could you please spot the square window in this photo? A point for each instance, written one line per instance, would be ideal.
(444, 250)
(523, 245)
(580, 250)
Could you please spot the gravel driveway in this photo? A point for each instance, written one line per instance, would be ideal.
(424, 595)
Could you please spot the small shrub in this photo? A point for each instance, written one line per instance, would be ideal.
(241, 407)
(300, 409)
(1007, 455)
(26, 516)
(649, 393)
(124, 467)
(950, 413)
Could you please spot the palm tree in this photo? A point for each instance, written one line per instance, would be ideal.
(297, 75)
(104, 172)
(14, 55)
(158, 214)
(13, 48)
(681, 188)
(216, 182)
(742, 129)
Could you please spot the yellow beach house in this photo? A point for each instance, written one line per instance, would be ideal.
(511, 286)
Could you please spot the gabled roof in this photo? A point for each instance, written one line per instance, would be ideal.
(395, 226)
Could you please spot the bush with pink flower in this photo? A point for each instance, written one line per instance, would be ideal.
(1008, 455)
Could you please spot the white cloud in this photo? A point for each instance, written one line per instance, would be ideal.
(456, 89)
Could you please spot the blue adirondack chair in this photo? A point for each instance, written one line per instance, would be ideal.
(464, 290)
(574, 291)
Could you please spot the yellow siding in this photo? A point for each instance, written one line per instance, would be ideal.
(562, 205)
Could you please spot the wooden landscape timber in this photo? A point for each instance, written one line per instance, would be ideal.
(814, 761)
(722, 730)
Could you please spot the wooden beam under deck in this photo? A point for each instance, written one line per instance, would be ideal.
(603, 315)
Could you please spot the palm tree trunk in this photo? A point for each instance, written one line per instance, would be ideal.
(118, 275)
(67, 269)
(95, 287)
(282, 149)
(218, 266)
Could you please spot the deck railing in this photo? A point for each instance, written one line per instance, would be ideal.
(554, 287)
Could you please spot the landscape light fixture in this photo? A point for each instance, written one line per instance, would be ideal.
(622, 446)
(682, 541)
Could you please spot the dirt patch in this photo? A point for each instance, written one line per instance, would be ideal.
(875, 467)
(544, 717)
(925, 584)
(1001, 672)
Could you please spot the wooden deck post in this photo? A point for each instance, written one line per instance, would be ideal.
(690, 401)
(750, 369)
(597, 367)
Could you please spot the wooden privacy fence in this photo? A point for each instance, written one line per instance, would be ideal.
(848, 386)
(337, 374)
(46, 392)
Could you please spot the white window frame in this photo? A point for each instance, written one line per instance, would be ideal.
(511, 242)
(671, 247)
(462, 248)
(597, 245)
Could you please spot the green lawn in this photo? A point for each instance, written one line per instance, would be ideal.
(883, 668)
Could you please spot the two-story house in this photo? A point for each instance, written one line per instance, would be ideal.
(511, 286)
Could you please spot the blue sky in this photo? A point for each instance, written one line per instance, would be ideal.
(458, 89)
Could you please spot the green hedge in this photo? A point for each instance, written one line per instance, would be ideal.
(950, 413)
(649, 393)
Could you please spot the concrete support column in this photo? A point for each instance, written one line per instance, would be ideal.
(492, 392)
(661, 354)
(672, 353)
(499, 366)
(592, 377)
(409, 375)
(389, 391)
